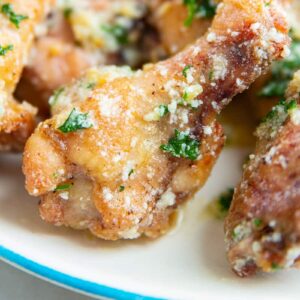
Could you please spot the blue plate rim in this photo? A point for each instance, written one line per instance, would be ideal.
(68, 281)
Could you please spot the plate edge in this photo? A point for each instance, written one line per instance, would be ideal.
(67, 281)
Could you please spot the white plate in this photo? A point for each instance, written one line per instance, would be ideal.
(188, 263)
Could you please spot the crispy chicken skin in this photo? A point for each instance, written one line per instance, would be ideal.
(257, 94)
(262, 228)
(95, 32)
(16, 120)
(113, 177)
(55, 62)
(57, 57)
(169, 17)
(16, 124)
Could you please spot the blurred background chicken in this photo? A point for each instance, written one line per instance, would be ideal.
(262, 228)
(18, 20)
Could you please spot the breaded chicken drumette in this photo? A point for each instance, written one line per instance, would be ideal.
(126, 150)
(18, 19)
(262, 228)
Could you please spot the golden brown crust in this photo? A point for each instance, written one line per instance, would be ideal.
(169, 18)
(125, 137)
(262, 228)
(262, 104)
(21, 38)
(16, 125)
(57, 59)
(56, 62)
(70, 45)
(16, 120)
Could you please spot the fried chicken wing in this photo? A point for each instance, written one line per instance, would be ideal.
(128, 32)
(262, 228)
(17, 21)
(126, 150)
(81, 34)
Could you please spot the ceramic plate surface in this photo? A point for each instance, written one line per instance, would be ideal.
(188, 263)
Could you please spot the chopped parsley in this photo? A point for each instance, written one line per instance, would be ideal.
(185, 70)
(291, 105)
(234, 235)
(119, 32)
(275, 118)
(275, 266)
(282, 73)
(257, 222)
(7, 10)
(185, 98)
(130, 172)
(182, 145)
(68, 12)
(91, 85)
(75, 121)
(121, 188)
(200, 9)
(280, 110)
(5, 49)
(158, 112)
(63, 187)
(163, 110)
(225, 200)
(219, 207)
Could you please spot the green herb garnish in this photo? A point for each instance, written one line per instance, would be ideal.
(182, 145)
(219, 207)
(275, 266)
(280, 110)
(121, 188)
(5, 49)
(282, 73)
(119, 32)
(68, 12)
(63, 187)
(257, 222)
(91, 85)
(289, 106)
(225, 199)
(185, 70)
(275, 118)
(130, 172)
(163, 110)
(75, 121)
(7, 10)
(200, 9)
(185, 98)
